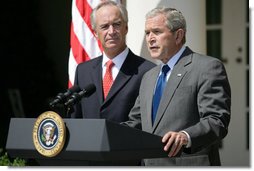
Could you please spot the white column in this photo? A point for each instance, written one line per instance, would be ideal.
(251, 7)
(193, 10)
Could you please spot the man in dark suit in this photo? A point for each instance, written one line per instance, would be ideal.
(109, 21)
(193, 112)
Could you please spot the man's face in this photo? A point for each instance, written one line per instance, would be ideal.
(161, 42)
(111, 30)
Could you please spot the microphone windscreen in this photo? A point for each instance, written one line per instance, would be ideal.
(90, 88)
(74, 88)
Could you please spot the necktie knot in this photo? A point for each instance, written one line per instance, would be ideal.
(109, 64)
(165, 69)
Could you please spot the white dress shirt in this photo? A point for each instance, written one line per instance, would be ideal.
(118, 62)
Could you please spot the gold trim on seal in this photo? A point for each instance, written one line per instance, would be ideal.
(58, 139)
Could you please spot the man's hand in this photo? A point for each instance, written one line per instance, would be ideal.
(174, 141)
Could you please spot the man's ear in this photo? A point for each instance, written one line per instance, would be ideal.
(95, 34)
(126, 29)
(179, 35)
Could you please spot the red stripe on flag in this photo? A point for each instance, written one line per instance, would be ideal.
(82, 11)
(77, 50)
(85, 10)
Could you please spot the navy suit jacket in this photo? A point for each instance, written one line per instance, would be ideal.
(122, 94)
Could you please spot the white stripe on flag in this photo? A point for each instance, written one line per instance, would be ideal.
(84, 34)
(85, 37)
(72, 67)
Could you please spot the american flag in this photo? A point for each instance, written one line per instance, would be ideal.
(83, 44)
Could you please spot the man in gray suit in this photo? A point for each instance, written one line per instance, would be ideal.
(193, 112)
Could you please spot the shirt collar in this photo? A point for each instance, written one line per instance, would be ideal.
(117, 60)
(171, 63)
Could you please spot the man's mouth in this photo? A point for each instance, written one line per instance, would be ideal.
(154, 48)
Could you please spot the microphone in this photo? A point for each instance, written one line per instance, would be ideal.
(61, 97)
(76, 97)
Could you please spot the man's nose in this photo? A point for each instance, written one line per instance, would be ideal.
(111, 29)
(150, 38)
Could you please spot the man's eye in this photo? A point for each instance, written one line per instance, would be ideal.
(156, 32)
(104, 27)
(116, 25)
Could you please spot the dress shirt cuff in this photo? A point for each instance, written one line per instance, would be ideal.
(189, 139)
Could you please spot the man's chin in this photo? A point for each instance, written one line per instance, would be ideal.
(154, 55)
(112, 45)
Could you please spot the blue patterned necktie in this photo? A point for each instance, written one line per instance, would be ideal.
(159, 90)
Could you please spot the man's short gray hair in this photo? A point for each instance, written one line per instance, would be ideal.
(121, 7)
(175, 19)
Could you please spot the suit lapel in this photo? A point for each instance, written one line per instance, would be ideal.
(175, 79)
(149, 94)
(97, 78)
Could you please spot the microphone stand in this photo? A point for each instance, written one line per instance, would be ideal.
(60, 109)
(69, 110)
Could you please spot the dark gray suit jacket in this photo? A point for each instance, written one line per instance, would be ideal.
(197, 99)
(123, 92)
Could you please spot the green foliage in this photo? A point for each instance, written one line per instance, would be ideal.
(6, 161)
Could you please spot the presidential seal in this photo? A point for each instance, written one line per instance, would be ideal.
(49, 134)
